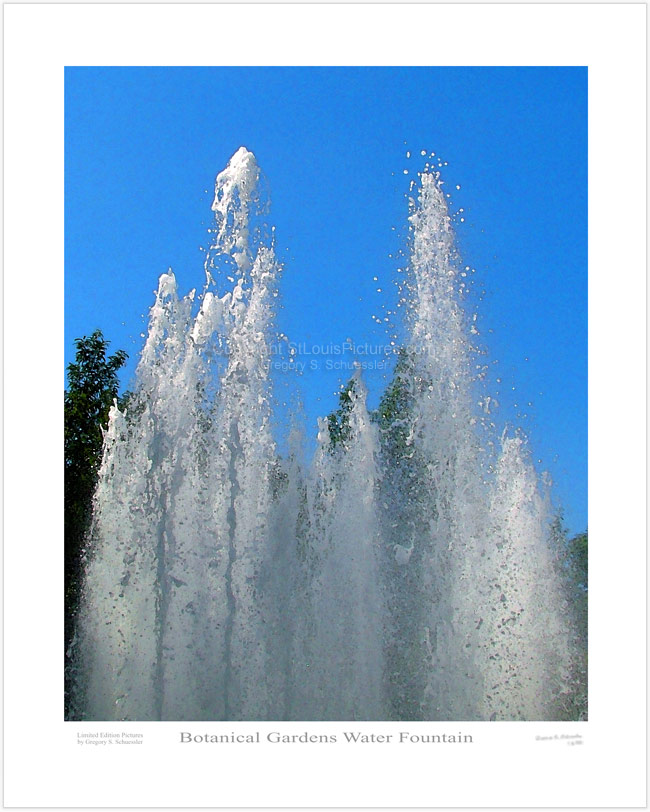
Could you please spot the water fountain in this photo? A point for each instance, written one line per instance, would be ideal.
(405, 572)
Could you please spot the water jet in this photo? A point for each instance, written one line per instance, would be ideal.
(390, 577)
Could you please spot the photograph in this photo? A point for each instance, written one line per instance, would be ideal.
(349, 303)
(325, 415)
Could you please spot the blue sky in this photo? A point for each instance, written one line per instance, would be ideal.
(143, 146)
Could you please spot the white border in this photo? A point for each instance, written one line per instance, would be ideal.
(506, 766)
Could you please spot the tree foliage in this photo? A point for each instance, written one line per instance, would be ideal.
(338, 422)
(572, 555)
(578, 555)
(92, 388)
(394, 414)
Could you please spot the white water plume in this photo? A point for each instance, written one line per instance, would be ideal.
(403, 573)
